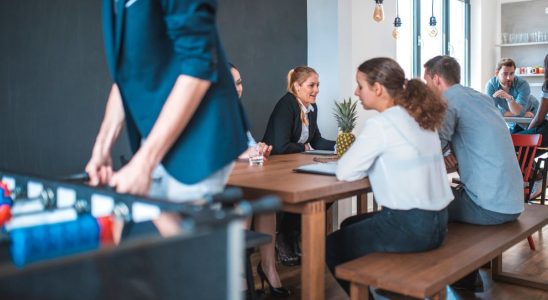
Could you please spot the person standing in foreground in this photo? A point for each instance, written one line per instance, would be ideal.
(473, 129)
(174, 92)
(397, 146)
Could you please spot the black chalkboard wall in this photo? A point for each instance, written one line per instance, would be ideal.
(54, 82)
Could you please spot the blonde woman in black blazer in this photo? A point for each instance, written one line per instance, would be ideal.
(292, 128)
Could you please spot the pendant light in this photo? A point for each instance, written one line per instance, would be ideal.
(432, 31)
(378, 13)
(397, 22)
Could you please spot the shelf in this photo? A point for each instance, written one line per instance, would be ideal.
(535, 84)
(530, 75)
(522, 44)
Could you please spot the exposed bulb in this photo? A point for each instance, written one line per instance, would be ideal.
(432, 31)
(397, 25)
(396, 33)
(378, 13)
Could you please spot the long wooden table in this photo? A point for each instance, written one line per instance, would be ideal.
(305, 194)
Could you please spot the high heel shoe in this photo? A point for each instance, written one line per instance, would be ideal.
(280, 292)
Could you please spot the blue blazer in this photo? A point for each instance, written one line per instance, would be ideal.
(148, 44)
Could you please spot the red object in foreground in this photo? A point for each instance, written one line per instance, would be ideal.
(105, 230)
(5, 214)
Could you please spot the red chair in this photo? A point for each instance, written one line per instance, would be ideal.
(526, 148)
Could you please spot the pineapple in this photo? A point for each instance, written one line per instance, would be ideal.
(346, 115)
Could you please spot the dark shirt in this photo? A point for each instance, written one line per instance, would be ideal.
(284, 128)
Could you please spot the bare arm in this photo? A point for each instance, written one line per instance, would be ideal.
(182, 102)
(99, 167)
(541, 113)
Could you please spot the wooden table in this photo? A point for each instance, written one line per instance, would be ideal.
(305, 194)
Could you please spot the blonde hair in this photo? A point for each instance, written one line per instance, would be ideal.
(299, 74)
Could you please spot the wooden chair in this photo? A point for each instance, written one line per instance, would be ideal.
(526, 148)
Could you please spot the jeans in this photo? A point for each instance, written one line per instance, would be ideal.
(166, 187)
(388, 230)
(540, 129)
(463, 209)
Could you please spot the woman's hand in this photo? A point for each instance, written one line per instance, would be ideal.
(264, 149)
(99, 169)
(134, 178)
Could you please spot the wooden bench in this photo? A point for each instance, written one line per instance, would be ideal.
(426, 274)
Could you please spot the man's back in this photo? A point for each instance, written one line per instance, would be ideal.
(482, 144)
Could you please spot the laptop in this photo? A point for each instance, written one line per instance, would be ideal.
(328, 168)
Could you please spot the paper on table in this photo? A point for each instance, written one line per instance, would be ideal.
(320, 152)
(328, 168)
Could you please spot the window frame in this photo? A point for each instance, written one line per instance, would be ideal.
(445, 31)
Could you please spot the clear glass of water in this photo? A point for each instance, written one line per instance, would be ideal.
(256, 157)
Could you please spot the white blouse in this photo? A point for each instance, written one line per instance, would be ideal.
(403, 161)
(304, 131)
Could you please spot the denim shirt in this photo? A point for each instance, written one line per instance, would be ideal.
(483, 147)
(520, 90)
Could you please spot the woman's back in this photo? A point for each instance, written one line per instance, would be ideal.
(403, 161)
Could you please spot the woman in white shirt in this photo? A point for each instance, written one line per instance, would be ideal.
(399, 150)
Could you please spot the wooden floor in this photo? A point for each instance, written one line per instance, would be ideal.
(517, 259)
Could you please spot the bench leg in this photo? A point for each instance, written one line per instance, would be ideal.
(513, 278)
(359, 292)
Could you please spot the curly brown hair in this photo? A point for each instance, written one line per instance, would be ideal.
(414, 96)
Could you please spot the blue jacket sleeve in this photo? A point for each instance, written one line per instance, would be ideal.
(191, 26)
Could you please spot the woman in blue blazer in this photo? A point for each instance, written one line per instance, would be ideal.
(173, 90)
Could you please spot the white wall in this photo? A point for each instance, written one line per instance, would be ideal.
(485, 34)
(342, 35)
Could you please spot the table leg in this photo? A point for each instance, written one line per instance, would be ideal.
(313, 244)
(362, 203)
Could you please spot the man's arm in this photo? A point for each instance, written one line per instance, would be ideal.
(514, 107)
(518, 104)
(448, 127)
(99, 167)
(182, 102)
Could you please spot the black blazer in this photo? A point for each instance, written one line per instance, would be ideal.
(285, 125)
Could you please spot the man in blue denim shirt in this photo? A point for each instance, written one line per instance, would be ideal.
(492, 189)
(509, 92)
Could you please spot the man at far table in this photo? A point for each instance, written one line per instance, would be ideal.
(510, 93)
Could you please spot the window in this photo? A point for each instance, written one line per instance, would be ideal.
(415, 46)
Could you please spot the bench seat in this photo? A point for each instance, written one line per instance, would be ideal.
(426, 274)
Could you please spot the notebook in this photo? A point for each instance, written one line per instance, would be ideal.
(328, 168)
(320, 152)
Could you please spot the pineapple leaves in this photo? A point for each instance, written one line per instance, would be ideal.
(345, 114)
